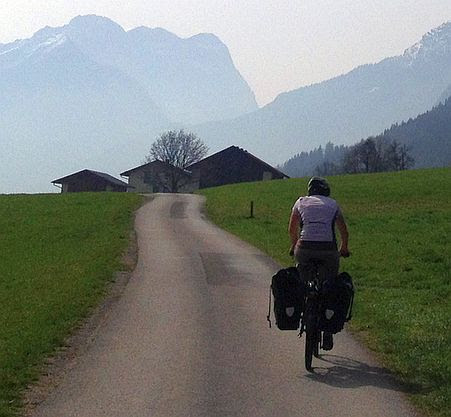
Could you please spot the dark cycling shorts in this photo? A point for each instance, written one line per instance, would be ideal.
(330, 259)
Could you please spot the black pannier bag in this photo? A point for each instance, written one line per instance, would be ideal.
(338, 297)
(288, 291)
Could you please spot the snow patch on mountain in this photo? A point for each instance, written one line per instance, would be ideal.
(50, 44)
(10, 50)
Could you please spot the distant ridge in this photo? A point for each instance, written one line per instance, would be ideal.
(347, 108)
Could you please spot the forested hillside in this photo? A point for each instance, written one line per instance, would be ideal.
(418, 143)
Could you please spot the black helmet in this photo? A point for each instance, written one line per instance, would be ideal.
(318, 186)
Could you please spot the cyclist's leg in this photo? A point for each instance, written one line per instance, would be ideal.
(303, 257)
(331, 259)
(330, 267)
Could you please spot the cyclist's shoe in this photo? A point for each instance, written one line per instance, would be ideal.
(328, 341)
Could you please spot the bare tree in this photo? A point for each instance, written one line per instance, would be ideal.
(398, 156)
(391, 157)
(178, 149)
(351, 162)
(376, 155)
(327, 168)
(405, 160)
(366, 151)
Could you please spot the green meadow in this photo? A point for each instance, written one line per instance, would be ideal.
(400, 235)
(58, 252)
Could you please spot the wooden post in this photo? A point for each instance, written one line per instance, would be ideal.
(252, 210)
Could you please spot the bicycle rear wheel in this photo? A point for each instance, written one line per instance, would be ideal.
(311, 341)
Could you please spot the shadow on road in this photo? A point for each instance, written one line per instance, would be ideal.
(350, 373)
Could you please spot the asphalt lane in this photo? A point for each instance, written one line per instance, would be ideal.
(189, 337)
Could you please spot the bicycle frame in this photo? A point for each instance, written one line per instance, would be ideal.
(311, 316)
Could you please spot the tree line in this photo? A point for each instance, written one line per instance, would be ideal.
(421, 142)
(367, 156)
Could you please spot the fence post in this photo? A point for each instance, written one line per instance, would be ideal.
(252, 210)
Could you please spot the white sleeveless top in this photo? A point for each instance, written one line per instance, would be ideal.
(317, 215)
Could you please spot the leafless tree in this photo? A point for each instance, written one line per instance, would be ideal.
(327, 168)
(179, 150)
(405, 160)
(398, 157)
(351, 162)
(367, 154)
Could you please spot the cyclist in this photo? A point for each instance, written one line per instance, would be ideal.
(312, 233)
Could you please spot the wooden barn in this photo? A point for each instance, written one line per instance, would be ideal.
(88, 180)
(159, 177)
(232, 165)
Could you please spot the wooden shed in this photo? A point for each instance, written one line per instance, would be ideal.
(159, 177)
(88, 180)
(232, 165)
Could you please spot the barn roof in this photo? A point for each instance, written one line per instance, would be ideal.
(236, 149)
(156, 162)
(103, 175)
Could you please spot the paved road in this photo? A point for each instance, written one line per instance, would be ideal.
(189, 337)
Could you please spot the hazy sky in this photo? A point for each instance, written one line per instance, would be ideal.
(277, 45)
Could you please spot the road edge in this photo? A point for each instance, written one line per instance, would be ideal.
(56, 366)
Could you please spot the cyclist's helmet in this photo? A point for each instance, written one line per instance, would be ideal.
(318, 186)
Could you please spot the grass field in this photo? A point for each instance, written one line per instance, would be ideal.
(57, 254)
(400, 239)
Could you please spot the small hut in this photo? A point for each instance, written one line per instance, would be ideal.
(88, 180)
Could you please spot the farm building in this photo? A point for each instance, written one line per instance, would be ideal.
(228, 166)
(232, 165)
(159, 177)
(88, 180)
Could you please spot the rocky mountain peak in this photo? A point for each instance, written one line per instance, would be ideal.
(436, 42)
(95, 24)
(91, 29)
(153, 35)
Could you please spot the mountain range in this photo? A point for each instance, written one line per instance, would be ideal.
(347, 108)
(92, 95)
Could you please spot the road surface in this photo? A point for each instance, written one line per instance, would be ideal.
(189, 337)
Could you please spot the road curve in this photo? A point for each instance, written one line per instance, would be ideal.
(189, 337)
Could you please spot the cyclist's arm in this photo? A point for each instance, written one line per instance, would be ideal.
(344, 235)
(293, 229)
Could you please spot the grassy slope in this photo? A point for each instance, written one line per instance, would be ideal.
(400, 234)
(58, 251)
